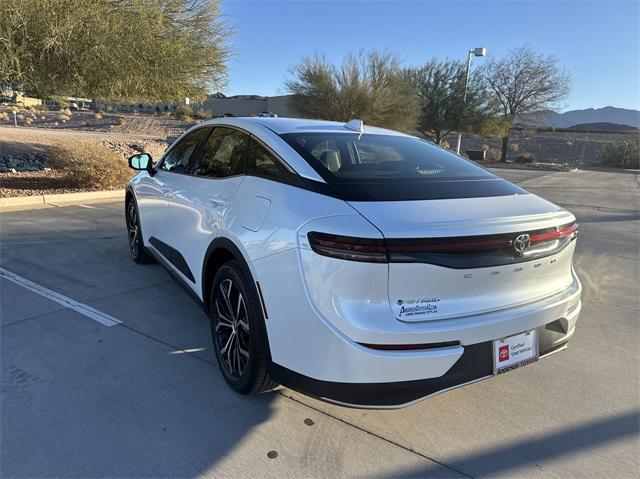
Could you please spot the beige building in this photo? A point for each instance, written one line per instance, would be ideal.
(245, 105)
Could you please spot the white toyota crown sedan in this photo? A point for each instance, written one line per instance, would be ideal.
(357, 265)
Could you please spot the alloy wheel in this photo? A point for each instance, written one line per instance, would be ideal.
(232, 328)
(134, 229)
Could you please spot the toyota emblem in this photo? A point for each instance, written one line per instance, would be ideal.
(522, 243)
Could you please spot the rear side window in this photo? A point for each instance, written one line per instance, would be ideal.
(261, 162)
(223, 154)
(379, 167)
(177, 159)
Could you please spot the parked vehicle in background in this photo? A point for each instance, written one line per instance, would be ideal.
(358, 265)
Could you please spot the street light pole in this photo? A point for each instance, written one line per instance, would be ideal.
(475, 52)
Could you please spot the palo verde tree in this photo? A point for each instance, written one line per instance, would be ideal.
(369, 86)
(524, 82)
(149, 50)
(439, 87)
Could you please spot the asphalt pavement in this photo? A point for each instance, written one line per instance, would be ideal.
(107, 369)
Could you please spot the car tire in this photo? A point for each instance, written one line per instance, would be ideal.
(237, 330)
(137, 249)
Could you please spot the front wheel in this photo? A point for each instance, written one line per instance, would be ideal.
(137, 249)
(238, 333)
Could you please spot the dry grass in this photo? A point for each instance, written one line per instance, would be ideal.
(89, 165)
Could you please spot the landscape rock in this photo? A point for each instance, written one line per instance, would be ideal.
(24, 161)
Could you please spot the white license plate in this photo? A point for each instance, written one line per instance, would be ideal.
(515, 351)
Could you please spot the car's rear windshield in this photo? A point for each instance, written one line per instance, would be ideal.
(370, 167)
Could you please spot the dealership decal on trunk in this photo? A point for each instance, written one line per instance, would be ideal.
(418, 307)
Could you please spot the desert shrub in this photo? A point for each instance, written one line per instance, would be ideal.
(20, 117)
(63, 117)
(445, 144)
(108, 109)
(97, 116)
(514, 147)
(202, 114)
(494, 154)
(485, 147)
(184, 112)
(526, 158)
(65, 111)
(89, 165)
(620, 155)
(4, 116)
(28, 121)
(121, 120)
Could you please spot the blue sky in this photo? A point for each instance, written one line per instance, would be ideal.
(598, 42)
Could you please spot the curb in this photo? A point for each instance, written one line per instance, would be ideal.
(43, 200)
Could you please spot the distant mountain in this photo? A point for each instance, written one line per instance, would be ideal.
(603, 127)
(608, 114)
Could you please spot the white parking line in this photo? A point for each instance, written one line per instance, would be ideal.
(81, 308)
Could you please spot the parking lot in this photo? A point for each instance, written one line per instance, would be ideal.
(130, 388)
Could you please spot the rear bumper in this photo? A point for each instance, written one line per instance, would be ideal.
(475, 364)
(311, 354)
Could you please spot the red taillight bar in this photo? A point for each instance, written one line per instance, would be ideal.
(349, 248)
(401, 250)
(556, 234)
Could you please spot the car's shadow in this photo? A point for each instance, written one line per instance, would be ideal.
(141, 399)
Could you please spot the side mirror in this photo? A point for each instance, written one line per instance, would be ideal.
(141, 162)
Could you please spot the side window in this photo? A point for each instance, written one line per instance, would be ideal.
(260, 162)
(177, 159)
(223, 154)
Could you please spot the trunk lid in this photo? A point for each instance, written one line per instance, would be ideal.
(458, 257)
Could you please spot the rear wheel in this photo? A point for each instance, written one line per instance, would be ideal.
(238, 333)
(137, 249)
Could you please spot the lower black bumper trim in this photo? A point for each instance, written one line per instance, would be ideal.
(476, 363)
